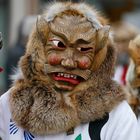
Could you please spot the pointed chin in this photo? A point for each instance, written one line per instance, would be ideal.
(64, 86)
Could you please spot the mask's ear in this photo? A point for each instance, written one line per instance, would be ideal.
(101, 49)
(42, 28)
(32, 63)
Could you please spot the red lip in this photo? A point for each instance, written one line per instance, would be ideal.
(70, 80)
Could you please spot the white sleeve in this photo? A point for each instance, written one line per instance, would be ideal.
(2, 132)
(139, 127)
(122, 124)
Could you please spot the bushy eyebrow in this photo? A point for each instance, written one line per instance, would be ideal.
(63, 36)
(82, 41)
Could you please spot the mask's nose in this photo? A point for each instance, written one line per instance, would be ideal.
(68, 61)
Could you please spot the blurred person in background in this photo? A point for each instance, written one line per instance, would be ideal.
(15, 52)
(133, 77)
(123, 32)
(1, 44)
(133, 74)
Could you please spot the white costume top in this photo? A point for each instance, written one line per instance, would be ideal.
(121, 125)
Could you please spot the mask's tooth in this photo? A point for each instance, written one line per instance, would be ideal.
(75, 77)
(71, 76)
(58, 74)
(61, 74)
(68, 75)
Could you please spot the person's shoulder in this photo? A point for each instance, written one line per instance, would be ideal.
(122, 123)
(124, 106)
(123, 111)
(4, 98)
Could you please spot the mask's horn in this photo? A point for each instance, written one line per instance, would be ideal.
(42, 28)
(102, 38)
(101, 50)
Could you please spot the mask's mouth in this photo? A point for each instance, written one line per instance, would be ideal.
(67, 77)
(72, 76)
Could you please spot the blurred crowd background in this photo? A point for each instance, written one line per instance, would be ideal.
(18, 16)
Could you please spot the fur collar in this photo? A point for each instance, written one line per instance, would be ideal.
(41, 110)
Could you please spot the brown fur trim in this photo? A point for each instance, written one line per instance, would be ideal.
(134, 102)
(41, 110)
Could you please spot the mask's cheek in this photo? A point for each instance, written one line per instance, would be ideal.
(54, 59)
(84, 62)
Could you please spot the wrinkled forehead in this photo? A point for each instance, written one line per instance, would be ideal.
(73, 28)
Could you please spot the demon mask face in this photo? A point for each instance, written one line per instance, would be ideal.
(70, 50)
(70, 39)
(65, 75)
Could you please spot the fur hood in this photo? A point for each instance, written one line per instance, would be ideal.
(41, 109)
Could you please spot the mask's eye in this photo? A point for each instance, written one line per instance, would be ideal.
(59, 44)
(84, 49)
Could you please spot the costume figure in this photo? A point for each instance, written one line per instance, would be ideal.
(133, 75)
(123, 33)
(1, 44)
(63, 88)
